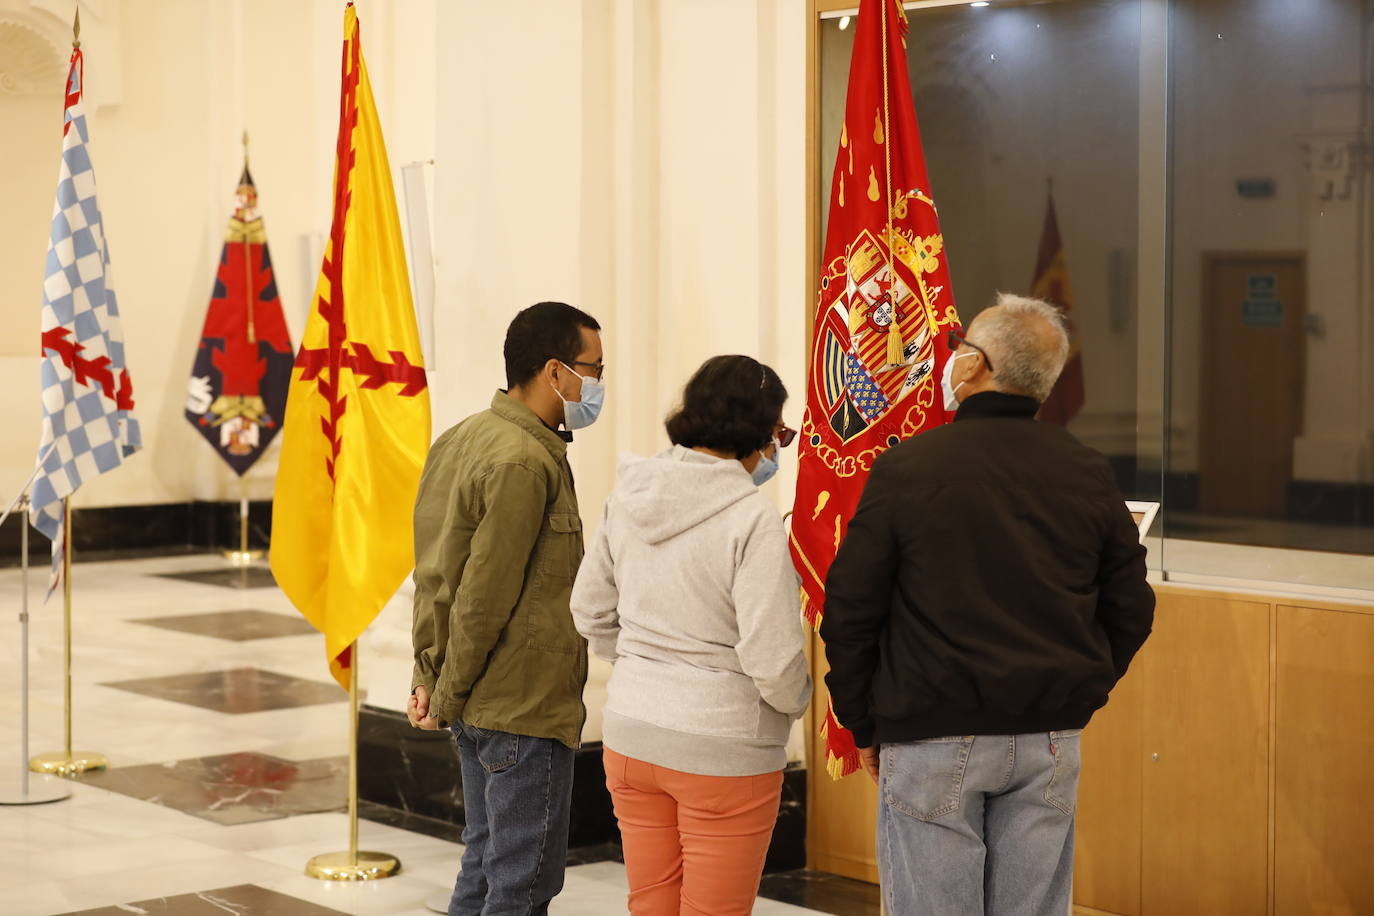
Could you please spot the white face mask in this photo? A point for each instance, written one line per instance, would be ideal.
(950, 390)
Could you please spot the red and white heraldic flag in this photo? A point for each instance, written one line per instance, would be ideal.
(883, 304)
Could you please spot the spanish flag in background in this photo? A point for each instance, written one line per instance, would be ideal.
(1051, 283)
(357, 415)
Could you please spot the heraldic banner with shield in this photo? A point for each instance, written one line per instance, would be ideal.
(236, 398)
(884, 301)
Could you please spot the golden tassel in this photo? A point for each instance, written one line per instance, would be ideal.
(895, 345)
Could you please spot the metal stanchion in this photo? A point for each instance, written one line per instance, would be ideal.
(352, 865)
(45, 789)
(67, 762)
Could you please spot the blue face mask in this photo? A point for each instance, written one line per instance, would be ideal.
(767, 467)
(583, 413)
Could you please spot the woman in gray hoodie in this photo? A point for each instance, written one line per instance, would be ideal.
(688, 589)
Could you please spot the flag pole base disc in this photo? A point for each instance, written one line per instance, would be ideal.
(243, 557)
(41, 791)
(439, 902)
(335, 866)
(61, 764)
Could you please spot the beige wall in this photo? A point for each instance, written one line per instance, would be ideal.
(172, 86)
(642, 159)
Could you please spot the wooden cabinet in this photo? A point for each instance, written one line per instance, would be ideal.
(1324, 762)
(1231, 771)
(1106, 872)
(1205, 826)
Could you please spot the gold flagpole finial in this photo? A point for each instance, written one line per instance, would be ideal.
(245, 149)
(76, 29)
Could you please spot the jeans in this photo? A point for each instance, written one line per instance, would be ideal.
(978, 825)
(517, 795)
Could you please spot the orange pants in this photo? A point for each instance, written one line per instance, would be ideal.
(694, 845)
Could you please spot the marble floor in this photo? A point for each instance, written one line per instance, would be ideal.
(227, 744)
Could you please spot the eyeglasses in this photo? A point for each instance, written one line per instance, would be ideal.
(786, 435)
(955, 339)
(598, 369)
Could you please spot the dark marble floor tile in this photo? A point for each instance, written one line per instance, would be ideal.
(823, 892)
(236, 690)
(242, 899)
(228, 577)
(234, 788)
(238, 625)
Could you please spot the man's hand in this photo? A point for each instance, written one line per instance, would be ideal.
(868, 756)
(417, 710)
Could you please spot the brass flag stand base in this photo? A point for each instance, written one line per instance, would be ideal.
(243, 556)
(352, 865)
(70, 763)
(67, 762)
(364, 866)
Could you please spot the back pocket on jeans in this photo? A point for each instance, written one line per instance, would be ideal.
(925, 779)
(1062, 792)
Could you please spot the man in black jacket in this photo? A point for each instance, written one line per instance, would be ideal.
(988, 595)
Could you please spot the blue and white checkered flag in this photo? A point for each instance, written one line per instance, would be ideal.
(88, 422)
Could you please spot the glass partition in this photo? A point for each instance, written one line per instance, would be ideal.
(1271, 331)
(1209, 166)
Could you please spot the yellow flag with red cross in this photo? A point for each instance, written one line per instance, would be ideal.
(357, 423)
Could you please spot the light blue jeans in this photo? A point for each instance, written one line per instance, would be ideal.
(978, 825)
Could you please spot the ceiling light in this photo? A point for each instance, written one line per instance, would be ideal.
(979, 3)
(844, 23)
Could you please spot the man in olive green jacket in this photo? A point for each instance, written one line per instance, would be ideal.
(498, 541)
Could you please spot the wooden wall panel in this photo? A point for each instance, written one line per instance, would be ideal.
(1206, 822)
(842, 816)
(1324, 763)
(1106, 874)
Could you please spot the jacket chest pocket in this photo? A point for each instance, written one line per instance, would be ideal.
(560, 546)
(548, 620)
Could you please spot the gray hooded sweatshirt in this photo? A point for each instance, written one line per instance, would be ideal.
(688, 589)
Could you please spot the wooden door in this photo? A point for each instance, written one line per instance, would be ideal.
(1251, 380)
(1106, 872)
(1205, 838)
(842, 817)
(1324, 777)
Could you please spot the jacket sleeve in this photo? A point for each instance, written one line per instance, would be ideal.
(433, 588)
(1125, 601)
(858, 599)
(767, 598)
(513, 501)
(595, 598)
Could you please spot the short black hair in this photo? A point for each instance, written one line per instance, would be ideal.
(544, 331)
(730, 405)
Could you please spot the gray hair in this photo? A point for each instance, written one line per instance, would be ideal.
(1027, 341)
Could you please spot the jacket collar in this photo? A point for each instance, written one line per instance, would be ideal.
(997, 405)
(508, 408)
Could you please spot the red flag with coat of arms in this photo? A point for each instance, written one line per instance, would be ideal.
(884, 301)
